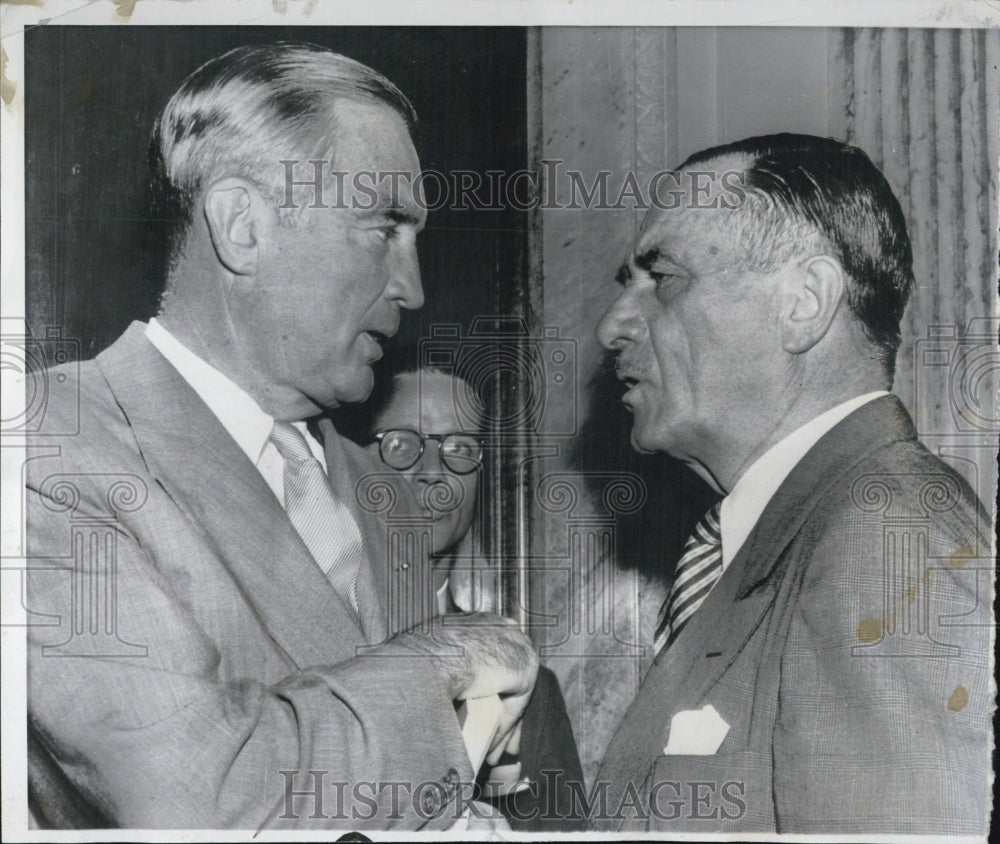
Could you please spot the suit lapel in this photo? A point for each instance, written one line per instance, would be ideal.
(871, 426)
(679, 678)
(683, 674)
(208, 476)
(730, 614)
(384, 581)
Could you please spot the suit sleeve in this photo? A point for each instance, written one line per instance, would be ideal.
(885, 696)
(142, 725)
(550, 761)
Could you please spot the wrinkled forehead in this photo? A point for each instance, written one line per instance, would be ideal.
(374, 160)
(371, 136)
(432, 403)
(701, 200)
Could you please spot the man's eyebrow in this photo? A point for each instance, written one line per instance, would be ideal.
(397, 216)
(646, 260)
(623, 274)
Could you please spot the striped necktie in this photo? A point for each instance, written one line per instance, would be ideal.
(322, 520)
(698, 570)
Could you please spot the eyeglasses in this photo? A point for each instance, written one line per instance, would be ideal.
(401, 448)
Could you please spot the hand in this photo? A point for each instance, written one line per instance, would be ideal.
(478, 655)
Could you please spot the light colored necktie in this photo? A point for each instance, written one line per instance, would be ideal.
(322, 520)
(698, 570)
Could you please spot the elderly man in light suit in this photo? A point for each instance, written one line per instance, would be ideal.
(823, 657)
(217, 602)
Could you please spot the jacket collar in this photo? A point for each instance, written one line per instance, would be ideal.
(197, 463)
(733, 610)
(714, 637)
(872, 426)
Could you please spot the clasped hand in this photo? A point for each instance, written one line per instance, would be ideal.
(478, 655)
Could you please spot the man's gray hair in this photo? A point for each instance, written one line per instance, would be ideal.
(242, 113)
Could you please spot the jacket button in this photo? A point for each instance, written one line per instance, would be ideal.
(430, 801)
(451, 780)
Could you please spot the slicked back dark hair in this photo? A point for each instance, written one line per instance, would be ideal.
(834, 189)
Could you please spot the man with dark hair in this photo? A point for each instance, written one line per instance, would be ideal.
(822, 659)
(799, 187)
(220, 611)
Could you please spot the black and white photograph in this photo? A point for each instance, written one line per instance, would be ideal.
(478, 425)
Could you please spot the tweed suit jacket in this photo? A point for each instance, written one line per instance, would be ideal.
(847, 648)
(188, 662)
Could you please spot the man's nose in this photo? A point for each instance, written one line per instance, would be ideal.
(405, 287)
(429, 465)
(620, 325)
(437, 489)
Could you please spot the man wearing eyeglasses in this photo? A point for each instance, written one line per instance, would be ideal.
(443, 467)
(427, 426)
(217, 605)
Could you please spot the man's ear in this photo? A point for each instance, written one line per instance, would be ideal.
(811, 302)
(237, 215)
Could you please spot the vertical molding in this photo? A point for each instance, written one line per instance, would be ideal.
(946, 131)
(840, 68)
(526, 590)
(521, 298)
(924, 105)
(835, 89)
(698, 98)
(651, 143)
(937, 262)
(866, 74)
(604, 96)
(671, 142)
(976, 188)
(990, 74)
(921, 221)
(893, 104)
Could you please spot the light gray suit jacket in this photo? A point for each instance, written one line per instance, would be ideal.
(188, 662)
(848, 648)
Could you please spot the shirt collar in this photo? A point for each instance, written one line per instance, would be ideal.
(746, 501)
(239, 414)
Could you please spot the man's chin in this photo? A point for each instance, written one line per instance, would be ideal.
(443, 529)
(357, 390)
(639, 444)
(643, 450)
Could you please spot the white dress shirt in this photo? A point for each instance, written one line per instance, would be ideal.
(239, 414)
(746, 501)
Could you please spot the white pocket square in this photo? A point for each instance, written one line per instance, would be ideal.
(696, 732)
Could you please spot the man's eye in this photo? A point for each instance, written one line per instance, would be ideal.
(666, 283)
(389, 232)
